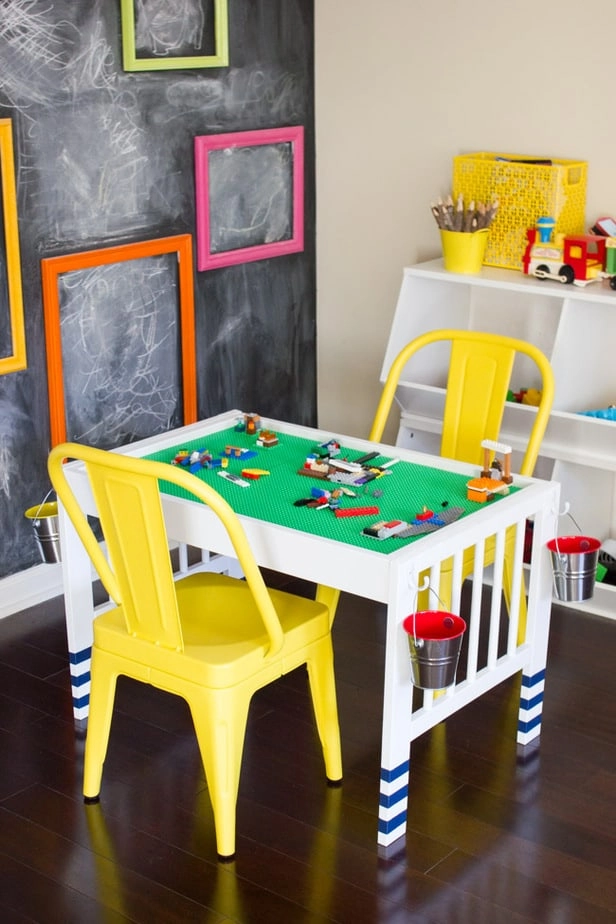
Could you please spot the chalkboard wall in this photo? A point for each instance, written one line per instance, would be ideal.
(121, 342)
(105, 157)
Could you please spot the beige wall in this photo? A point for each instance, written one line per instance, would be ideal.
(401, 87)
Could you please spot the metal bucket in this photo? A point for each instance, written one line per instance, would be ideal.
(435, 639)
(44, 519)
(574, 567)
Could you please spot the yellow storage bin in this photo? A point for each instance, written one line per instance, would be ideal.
(526, 189)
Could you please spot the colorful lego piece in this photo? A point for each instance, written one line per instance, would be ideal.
(333, 500)
(314, 468)
(329, 448)
(235, 479)
(253, 422)
(254, 473)
(267, 438)
(356, 511)
(486, 487)
(403, 530)
(481, 490)
(384, 529)
(490, 446)
(196, 460)
(238, 452)
(248, 423)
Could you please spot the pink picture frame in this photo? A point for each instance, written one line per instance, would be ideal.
(249, 191)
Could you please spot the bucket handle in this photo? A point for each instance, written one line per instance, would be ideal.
(41, 505)
(419, 642)
(562, 557)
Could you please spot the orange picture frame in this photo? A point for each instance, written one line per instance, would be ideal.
(53, 267)
(16, 359)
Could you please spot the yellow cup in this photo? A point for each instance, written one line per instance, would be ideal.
(463, 251)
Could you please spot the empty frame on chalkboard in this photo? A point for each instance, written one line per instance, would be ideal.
(249, 189)
(158, 35)
(120, 340)
(12, 335)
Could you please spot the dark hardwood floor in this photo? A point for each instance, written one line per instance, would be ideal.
(494, 835)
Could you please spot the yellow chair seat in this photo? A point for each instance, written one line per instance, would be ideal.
(232, 644)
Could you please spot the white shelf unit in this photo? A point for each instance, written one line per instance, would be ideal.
(576, 329)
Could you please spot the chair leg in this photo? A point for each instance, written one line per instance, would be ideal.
(220, 719)
(320, 666)
(104, 676)
(329, 596)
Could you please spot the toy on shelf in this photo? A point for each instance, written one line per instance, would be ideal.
(530, 396)
(569, 258)
(604, 413)
(605, 226)
(487, 486)
(545, 227)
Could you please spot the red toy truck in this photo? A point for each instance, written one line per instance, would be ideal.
(578, 258)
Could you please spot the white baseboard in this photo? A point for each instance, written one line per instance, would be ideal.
(42, 582)
(27, 588)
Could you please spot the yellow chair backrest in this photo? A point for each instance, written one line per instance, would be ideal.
(478, 380)
(138, 575)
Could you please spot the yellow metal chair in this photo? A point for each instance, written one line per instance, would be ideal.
(210, 638)
(478, 380)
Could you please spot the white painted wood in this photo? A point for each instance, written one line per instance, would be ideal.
(393, 579)
(576, 328)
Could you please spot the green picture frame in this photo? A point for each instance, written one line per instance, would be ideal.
(166, 37)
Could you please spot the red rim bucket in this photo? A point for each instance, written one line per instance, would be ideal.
(435, 639)
(574, 567)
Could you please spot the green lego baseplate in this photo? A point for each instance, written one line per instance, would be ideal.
(407, 490)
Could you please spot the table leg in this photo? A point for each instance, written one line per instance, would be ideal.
(538, 625)
(397, 701)
(79, 612)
